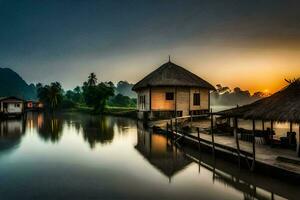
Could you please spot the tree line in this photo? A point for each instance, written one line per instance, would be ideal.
(93, 94)
(223, 95)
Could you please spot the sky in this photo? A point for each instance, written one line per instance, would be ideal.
(253, 44)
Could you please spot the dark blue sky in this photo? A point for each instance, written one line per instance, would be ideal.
(124, 40)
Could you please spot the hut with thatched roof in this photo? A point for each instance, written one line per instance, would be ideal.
(282, 106)
(172, 91)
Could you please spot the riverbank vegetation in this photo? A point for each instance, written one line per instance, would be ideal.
(92, 97)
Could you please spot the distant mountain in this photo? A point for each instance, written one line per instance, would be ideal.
(11, 84)
(125, 88)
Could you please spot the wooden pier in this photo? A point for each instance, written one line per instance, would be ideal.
(256, 157)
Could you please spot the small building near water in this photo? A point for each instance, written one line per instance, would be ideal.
(11, 106)
(34, 105)
(172, 91)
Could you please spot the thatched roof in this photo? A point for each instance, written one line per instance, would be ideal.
(283, 106)
(11, 98)
(170, 74)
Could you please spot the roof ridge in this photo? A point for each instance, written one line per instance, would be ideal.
(179, 76)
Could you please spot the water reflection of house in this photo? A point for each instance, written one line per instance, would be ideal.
(160, 153)
(34, 105)
(11, 132)
(171, 91)
(11, 106)
(34, 120)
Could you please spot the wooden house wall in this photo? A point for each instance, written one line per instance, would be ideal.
(144, 92)
(204, 99)
(184, 99)
(159, 101)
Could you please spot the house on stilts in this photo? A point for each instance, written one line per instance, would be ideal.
(172, 91)
(11, 106)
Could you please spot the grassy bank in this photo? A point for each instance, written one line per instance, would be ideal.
(121, 111)
(129, 112)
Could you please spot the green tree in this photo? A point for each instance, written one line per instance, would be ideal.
(96, 95)
(51, 95)
(74, 95)
(122, 101)
(92, 79)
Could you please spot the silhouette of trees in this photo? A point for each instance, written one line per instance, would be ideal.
(92, 79)
(50, 95)
(96, 95)
(225, 96)
(122, 101)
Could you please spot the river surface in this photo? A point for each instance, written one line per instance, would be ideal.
(78, 156)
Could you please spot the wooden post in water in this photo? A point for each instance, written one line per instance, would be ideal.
(291, 127)
(198, 134)
(176, 125)
(253, 145)
(171, 124)
(191, 121)
(271, 133)
(167, 131)
(176, 110)
(199, 148)
(263, 125)
(299, 141)
(235, 132)
(211, 130)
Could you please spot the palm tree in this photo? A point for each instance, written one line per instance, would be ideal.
(54, 94)
(92, 79)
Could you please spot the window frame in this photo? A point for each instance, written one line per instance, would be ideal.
(169, 98)
(196, 99)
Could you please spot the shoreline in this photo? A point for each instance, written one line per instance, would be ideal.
(112, 111)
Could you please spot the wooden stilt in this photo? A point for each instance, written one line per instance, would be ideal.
(167, 128)
(299, 141)
(199, 148)
(172, 133)
(198, 134)
(235, 128)
(253, 145)
(191, 120)
(211, 130)
(271, 133)
(235, 133)
(176, 125)
(263, 129)
(291, 127)
(176, 110)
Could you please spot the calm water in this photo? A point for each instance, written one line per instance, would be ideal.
(76, 156)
